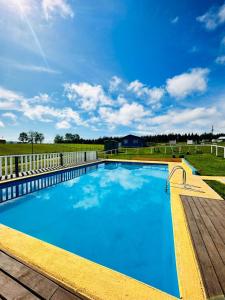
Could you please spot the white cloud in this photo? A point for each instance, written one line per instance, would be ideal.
(10, 115)
(63, 125)
(2, 124)
(41, 98)
(9, 95)
(187, 83)
(57, 7)
(198, 119)
(151, 95)
(87, 96)
(9, 100)
(127, 114)
(36, 109)
(213, 18)
(114, 83)
(155, 94)
(34, 68)
(220, 60)
(45, 113)
(184, 116)
(136, 86)
(175, 20)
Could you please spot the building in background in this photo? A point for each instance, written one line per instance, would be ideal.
(172, 142)
(131, 140)
(191, 142)
(221, 139)
(2, 141)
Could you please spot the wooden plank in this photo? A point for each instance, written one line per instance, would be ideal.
(63, 294)
(210, 280)
(11, 290)
(219, 208)
(29, 278)
(217, 222)
(217, 240)
(209, 244)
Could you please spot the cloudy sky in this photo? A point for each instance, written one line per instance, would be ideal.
(111, 67)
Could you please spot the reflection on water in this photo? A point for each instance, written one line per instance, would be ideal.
(118, 216)
(23, 187)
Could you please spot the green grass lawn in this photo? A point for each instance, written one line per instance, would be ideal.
(217, 186)
(200, 157)
(207, 164)
(7, 149)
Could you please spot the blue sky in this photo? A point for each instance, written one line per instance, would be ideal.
(111, 67)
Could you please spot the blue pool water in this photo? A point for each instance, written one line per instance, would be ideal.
(115, 214)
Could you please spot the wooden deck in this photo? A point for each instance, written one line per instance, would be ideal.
(18, 281)
(206, 221)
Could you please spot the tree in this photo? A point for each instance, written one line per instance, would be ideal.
(69, 137)
(31, 136)
(58, 139)
(76, 138)
(72, 138)
(23, 137)
(41, 137)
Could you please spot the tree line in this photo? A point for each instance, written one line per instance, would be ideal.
(70, 138)
(31, 137)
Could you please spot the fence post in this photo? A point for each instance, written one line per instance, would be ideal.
(216, 150)
(85, 156)
(61, 159)
(17, 166)
(211, 149)
(97, 154)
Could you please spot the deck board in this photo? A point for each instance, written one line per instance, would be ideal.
(18, 281)
(206, 224)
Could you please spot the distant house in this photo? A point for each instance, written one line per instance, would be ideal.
(205, 141)
(221, 139)
(132, 141)
(190, 142)
(172, 142)
(2, 141)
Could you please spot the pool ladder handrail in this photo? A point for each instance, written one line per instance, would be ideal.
(184, 177)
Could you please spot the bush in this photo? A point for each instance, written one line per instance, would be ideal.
(181, 156)
(173, 156)
(188, 153)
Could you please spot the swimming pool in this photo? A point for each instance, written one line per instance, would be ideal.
(115, 214)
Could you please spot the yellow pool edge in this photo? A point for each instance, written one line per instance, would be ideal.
(98, 282)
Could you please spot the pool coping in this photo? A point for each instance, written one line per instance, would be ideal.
(94, 281)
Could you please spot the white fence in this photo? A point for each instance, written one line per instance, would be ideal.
(167, 149)
(216, 148)
(20, 165)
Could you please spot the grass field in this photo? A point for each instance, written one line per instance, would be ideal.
(208, 164)
(8, 149)
(217, 186)
(200, 157)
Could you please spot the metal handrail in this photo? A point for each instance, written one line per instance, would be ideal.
(184, 177)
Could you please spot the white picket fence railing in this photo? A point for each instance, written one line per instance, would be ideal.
(215, 149)
(19, 165)
(20, 188)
